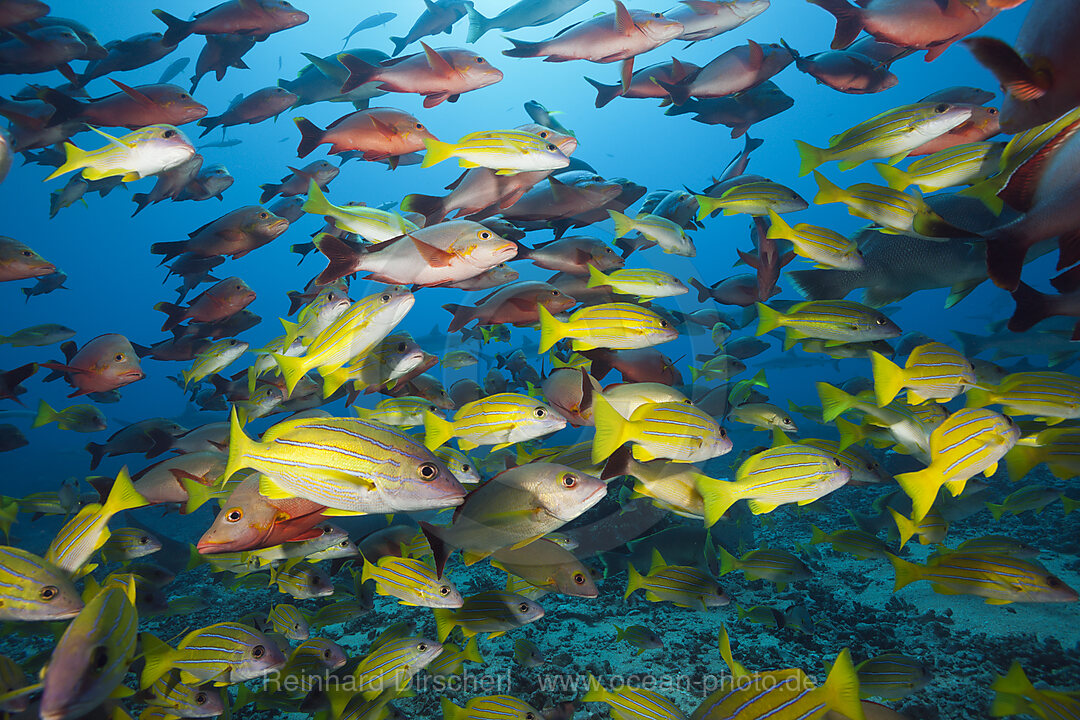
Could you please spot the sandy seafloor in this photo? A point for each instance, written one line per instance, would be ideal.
(960, 638)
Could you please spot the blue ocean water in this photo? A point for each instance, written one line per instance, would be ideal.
(114, 282)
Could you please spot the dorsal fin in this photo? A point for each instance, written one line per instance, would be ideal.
(1020, 188)
(134, 94)
(624, 23)
(436, 61)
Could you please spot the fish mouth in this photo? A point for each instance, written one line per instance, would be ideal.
(278, 226)
(44, 269)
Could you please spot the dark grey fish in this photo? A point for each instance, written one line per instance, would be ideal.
(439, 17)
(367, 23)
(175, 68)
(46, 284)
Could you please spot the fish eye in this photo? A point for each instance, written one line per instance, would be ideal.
(880, 321)
(480, 60)
(200, 699)
(444, 590)
(555, 293)
(663, 323)
(235, 515)
(529, 716)
(836, 462)
(100, 657)
(168, 133)
(239, 287)
(579, 579)
(543, 133)
(428, 471)
(343, 543)
(264, 215)
(723, 433)
(27, 253)
(786, 421)
(385, 297)
(569, 480)
(119, 357)
(258, 651)
(539, 412)
(550, 146)
(484, 234)
(326, 654)
(991, 111)
(869, 466)
(523, 608)
(657, 15)
(49, 592)
(941, 107)
(143, 540)
(422, 647)
(401, 347)
(464, 468)
(1052, 581)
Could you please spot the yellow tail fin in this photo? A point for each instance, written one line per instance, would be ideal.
(122, 496)
(841, 689)
(706, 205)
(45, 414)
(889, 378)
(316, 204)
(623, 224)
(718, 495)
(437, 151)
(922, 487)
(551, 330)
(828, 192)
(596, 692)
(905, 527)
(636, 580)
(292, 369)
(612, 429)
(906, 573)
(809, 157)
(834, 401)
(894, 177)
(737, 670)
(778, 229)
(75, 159)
(596, 278)
(768, 319)
(239, 444)
(437, 430)
(158, 657)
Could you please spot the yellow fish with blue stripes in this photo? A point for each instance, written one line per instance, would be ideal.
(507, 152)
(890, 134)
(616, 326)
(632, 703)
(347, 464)
(676, 431)
(838, 322)
(777, 476)
(412, 582)
(502, 420)
(355, 332)
(1051, 396)
(933, 371)
(88, 531)
(372, 224)
(969, 442)
(490, 707)
(825, 247)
